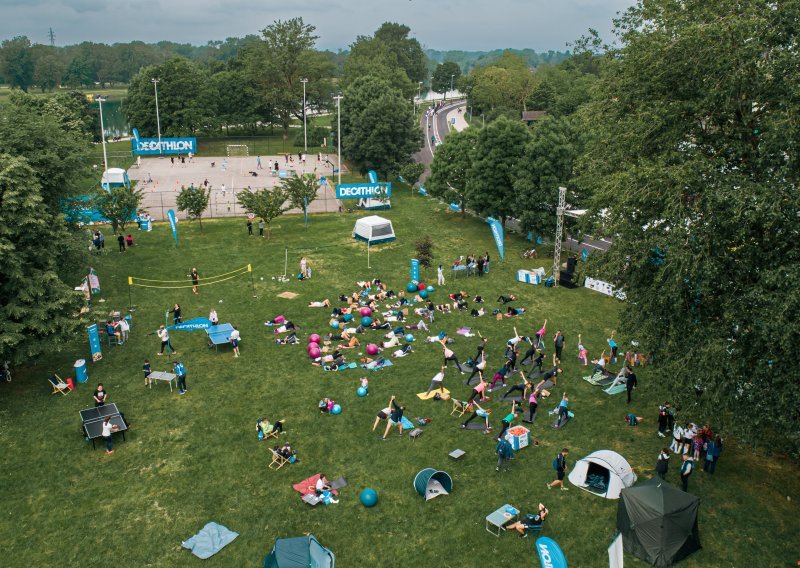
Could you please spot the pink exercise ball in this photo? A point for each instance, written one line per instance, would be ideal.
(366, 312)
(314, 353)
(314, 338)
(372, 349)
(312, 346)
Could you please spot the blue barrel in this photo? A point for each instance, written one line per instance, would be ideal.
(80, 371)
(145, 224)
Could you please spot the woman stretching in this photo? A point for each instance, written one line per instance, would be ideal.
(582, 356)
(479, 412)
(450, 356)
(478, 389)
(500, 375)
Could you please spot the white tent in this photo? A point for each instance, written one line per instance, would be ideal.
(115, 177)
(603, 473)
(374, 230)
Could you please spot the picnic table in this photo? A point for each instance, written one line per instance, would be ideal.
(500, 518)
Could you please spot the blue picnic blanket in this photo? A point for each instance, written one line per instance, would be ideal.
(211, 539)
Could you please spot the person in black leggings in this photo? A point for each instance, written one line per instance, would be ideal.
(506, 299)
(449, 355)
(521, 387)
(477, 389)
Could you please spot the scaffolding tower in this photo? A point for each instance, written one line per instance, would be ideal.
(562, 201)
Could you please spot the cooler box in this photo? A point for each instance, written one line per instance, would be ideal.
(80, 371)
(528, 277)
(518, 437)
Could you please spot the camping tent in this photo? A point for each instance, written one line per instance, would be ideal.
(431, 483)
(603, 473)
(115, 177)
(299, 552)
(374, 230)
(658, 522)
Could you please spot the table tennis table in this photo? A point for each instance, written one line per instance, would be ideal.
(219, 334)
(92, 421)
(162, 376)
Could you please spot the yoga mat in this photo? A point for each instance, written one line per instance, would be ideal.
(348, 366)
(516, 396)
(526, 416)
(559, 423)
(431, 394)
(616, 390)
(477, 424)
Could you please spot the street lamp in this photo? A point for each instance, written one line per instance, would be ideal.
(451, 81)
(158, 118)
(419, 95)
(101, 100)
(305, 136)
(338, 99)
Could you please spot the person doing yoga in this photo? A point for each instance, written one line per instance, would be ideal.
(395, 417)
(478, 389)
(479, 412)
(449, 355)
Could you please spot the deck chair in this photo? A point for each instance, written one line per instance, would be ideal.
(459, 407)
(278, 461)
(534, 530)
(58, 385)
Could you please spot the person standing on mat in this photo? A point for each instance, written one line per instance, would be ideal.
(687, 467)
(383, 415)
(395, 418)
(508, 419)
(107, 430)
(540, 335)
(449, 355)
(558, 342)
(500, 375)
(478, 389)
(630, 384)
(614, 348)
(533, 404)
(99, 395)
(563, 412)
(521, 387)
(180, 372)
(560, 464)
(437, 382)
(479, 412)
(582, 353)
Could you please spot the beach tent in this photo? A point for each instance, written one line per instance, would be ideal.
(115, 177)
(374, 230)
(658, 522)
(299, 552)
(430, 483)
(603, 473)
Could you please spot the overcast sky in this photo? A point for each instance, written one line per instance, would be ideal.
(437, 24)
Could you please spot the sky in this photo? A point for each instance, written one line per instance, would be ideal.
(468, 25)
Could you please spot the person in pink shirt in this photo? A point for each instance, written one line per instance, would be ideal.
(478, 389)
(540, 335)
(582, 356)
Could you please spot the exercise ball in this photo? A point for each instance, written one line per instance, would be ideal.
(421, 287)
(314, 353)
(409, 337)
(430, 289)
(423, 294)
(347, 317)
(365, 311)
(334, 324)
(366, 321)
(312, 346)
(314, 338)
(369, 498)
(372, 349)
(337, 409)
(411, 287)
(362, 391)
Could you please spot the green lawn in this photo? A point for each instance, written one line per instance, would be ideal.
(195, 458)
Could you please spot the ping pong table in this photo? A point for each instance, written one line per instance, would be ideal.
(162, 376)
(219, 334)
(93, 418)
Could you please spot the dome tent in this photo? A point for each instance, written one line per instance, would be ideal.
(603, 473)
(299, 552)
(658, 522)
(430, 483)
(374, 230)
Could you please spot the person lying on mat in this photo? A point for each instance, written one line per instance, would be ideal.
(290, 339)
(288, 326)
(530, 522)
(515, 312)
(506, 299)
(351, 344)
(403, 351)
(277, 320)
(377, 324)
(479, 412)
(326, 303)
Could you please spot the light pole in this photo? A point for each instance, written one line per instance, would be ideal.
(158, 118)
(451, 81)
(419, 94)
(338, 99)
(101, 100)
(305, 136)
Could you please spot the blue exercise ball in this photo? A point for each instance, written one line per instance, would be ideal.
(409, 337)
(347, 317)
(430, 289)
(334, 324)
(366, 321)
(337, 409)
(411, 287)
(362, 391)
(423, 294)
(369, 498)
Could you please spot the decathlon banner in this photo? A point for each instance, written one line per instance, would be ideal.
(497, 233)
(363, 190)
(550, 554)
(192, 325)
(94, 343)
(414, 270)
(173, 223)
(149, 146)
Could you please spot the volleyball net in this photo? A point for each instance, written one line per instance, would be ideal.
(187, 281)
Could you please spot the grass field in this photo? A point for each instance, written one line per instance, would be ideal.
(195, 458)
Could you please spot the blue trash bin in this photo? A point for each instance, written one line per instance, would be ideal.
(80, 371)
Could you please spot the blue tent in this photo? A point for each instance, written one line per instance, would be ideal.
(299, 552)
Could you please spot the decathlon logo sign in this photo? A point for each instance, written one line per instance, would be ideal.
(363, 190)
(144, 146)
(550, 554)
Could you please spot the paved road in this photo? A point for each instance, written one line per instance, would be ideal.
(435, 126)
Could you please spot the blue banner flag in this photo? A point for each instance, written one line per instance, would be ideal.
(497, 233)
(192, 325)
(550, 554)
(372, 176)
(94, 343)
(414, 270)
(584, 255)
(173, 223)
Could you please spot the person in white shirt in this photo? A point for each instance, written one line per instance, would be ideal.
(440, 275)
(437, 382)
(124, 328)
(234, 339)
(108, 428)
(163, 335)
(212, 316)
(677, 439)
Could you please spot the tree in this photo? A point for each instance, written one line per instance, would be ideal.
(16, 62)
(119, 205)
(407, 51)
(445, 77)
(452, 167)
(379, 129)
(548, 163)
(48, 68)
(501, 88)
(266, 204)
(695, 178)
(301, 191)
(193, 200)
(499, 152)
(370, 57)
(36, 306)
(412, 172)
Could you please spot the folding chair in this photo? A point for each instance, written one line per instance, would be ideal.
(58, 385)
(459, 407)
(534, 530)
(278, 460)
(271, 434)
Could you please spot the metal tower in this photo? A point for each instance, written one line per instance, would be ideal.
(52, 35)
(562, 201)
